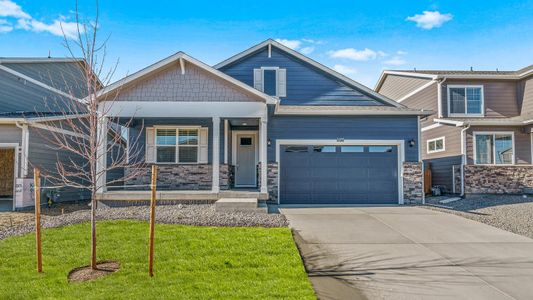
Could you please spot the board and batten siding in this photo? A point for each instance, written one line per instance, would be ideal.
(346, 127)
(306, 85)
(500, 97)
(196, 84)
(397, 86)
(452, 145)
(522, 143)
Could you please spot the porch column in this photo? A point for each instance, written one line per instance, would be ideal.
(263, 154)
(216, 155)
(101, 154)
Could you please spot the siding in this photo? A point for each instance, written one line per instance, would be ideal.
(425, 99)
(522, 143)
(10, 134)
(442, 171)
(396, 87)
(195, 85)
(347, 127)
(452, 143)
(43, 155)
(500, 96)
(306, 85)
(527, 96)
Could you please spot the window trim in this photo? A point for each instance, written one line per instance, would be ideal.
(493, 133)
(443, 138)
(263, 79)
(465, 86)
(177, 146)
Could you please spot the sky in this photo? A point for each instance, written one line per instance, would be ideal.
(356, 38)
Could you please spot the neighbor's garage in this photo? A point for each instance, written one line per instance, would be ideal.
(322, 174)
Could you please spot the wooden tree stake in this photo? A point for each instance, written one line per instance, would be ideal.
(37, 188)
(152, 221)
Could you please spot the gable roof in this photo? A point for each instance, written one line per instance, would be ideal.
(457, 74)
(179, 57)
(344, 79)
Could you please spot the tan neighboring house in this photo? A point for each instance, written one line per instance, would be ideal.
(480, 138)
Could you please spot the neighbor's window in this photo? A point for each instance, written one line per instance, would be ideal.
(494, 148)
(465, 100)
(176, 145)
(270, 82)
(436, 145)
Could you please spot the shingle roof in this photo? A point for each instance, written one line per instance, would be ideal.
(467, 72)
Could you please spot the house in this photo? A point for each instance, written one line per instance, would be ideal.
(33, 92)
(479, 140)
(268, 123)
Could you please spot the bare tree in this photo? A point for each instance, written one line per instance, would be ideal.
(78, 131)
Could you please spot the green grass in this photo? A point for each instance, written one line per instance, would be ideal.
(190, 263)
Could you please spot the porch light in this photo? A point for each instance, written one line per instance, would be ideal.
(269, 142)
(412, 143)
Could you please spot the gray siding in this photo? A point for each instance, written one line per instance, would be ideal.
(522, 143)
(43, 155)
(500, 96)
(452, 145)
(347, 127)
(442, 171)
(527, 96)
(306, 85)
(396, 87)
(10, 134)
(425, 99)
(195, 85)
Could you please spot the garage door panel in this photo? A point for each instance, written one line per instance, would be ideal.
(339, 177)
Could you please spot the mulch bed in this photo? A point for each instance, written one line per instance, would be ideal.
(86, 273)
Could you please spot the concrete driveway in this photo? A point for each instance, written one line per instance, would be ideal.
(409, 253)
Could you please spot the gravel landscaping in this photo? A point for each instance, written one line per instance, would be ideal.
(19, 223)
(513, 213)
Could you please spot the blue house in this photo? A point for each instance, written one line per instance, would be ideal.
(268, 123)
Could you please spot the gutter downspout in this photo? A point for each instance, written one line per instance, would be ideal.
(439, 96)
(25, 140)
(463, 158)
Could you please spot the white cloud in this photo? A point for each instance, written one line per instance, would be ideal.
(5, 26)
(11, 9)
(354, 54)
(383, 54)
(430, 19)
(395, 61)
(311, 41)
(25, 21)
(346, 70)
(307, 50)
(400, 52)
(293, 44)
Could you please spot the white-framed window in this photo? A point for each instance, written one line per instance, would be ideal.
(494, 148)
(436, 145)
(177, 145)
(465, 100)
(271, 81)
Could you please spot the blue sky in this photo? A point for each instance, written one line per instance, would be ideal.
(358, 38)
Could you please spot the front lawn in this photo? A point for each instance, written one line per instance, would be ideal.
(190, 262)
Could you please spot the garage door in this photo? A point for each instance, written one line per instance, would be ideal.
(322, 174)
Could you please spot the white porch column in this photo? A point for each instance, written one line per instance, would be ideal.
(101, 155)
(263, 154)
(216, 155)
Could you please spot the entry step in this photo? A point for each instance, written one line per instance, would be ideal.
(240, 205)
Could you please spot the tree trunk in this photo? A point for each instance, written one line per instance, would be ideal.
(93, 230)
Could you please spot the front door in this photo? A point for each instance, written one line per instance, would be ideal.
(245, 168)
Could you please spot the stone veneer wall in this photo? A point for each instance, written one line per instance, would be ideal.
(497, 179)
(413, 183)
(180, 177)
(272, 181)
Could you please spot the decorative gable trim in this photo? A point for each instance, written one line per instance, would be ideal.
(321, 67)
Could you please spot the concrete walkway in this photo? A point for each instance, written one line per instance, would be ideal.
(409, 253)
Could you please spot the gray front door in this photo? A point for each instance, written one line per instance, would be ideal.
(322, 174)
(245, 168)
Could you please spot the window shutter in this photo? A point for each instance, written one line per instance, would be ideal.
(202, 146)
(150, 145)
(258, 79)
(282, 83)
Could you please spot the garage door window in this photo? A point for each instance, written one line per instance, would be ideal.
(379, 149)
(352, 149)
(300, 149)
(326, 149)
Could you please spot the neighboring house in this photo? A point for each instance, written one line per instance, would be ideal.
(480, 138)
(33, 91)
(268, 123)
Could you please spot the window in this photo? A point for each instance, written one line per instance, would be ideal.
(327, 149)
(297, 149)
(246, 141)
(352, 149)
(436, 145)
(377, 149)
(176, 145)
(494, 148)
(270, 82)
(465, 100)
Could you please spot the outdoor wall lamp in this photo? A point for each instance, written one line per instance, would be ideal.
(269, 142)
(412, 143)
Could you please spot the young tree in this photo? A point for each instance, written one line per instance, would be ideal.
(93, 141)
